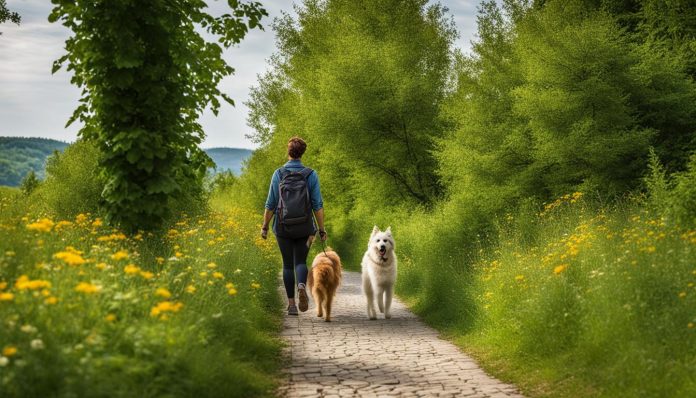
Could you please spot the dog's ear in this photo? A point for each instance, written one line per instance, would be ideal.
(388, 230)
(375, 231)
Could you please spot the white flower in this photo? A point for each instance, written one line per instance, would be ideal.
(37, 344)
(4, 361)
(28, 329)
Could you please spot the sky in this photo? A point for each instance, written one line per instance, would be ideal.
(36, 103)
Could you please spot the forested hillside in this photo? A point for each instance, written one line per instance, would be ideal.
(19, 156)
(516, 178)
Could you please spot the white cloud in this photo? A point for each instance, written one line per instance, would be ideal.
(35, 103)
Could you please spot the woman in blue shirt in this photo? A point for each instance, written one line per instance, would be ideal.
(294, 251)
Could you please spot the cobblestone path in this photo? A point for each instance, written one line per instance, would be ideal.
(355, 357)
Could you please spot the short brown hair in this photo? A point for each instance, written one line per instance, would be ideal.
(296, 147)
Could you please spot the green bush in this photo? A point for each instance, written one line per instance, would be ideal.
(73, 184)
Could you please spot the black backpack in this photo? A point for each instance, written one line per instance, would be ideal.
(295, 219)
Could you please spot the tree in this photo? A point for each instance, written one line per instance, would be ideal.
(7, 15)
(147, 74)
(29, 183)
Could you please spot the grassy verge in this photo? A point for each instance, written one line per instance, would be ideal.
(574, 301)
(87, 311)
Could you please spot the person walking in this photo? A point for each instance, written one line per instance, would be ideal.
(295, 204)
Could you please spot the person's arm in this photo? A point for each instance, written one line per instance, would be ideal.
(270, 206)
(319, 214)
(267, 216)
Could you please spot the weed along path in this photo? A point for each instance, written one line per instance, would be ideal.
(355, 357)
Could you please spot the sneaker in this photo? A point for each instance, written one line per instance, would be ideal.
(292, 310)
(304, 303)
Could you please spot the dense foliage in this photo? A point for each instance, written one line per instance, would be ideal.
(7, 15)
(473, 159)
(19, 156)
(147, 74)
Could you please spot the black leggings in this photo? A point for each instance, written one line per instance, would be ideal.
(294, 252)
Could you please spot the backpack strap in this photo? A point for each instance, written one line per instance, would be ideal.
(306, 172)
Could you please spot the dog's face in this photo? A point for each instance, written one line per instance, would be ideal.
(381, 242)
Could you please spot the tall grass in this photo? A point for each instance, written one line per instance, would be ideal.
(575, 300)
(87, 311)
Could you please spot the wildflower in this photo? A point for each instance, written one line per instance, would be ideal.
(190, 289)
(28, 329)
(218, 275)
(43, 225)
(690, 325)
(255, 285)
(51, 300)
(560, 269)
(178, 254)
(131, 269)
(4, 361)
(36, 344)
(682, 295)
(519, 278)
(162, 292)
(160, 260)
(24, 283)
(110, 317)
(10, 253)
(87, 288)
(9, 351)
(6, 296)
(232, 291)
(3, 285)
(147, 274)
(203, 274)
(101, 266)
(70, 256)
(165, 306)
(211, 265)
(119, 255)
(81, 218)
(62, 224)
(97, 223)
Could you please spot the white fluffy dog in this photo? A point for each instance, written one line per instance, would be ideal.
(379, 272)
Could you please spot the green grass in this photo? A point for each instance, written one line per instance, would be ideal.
(116, 338)
(577, 301)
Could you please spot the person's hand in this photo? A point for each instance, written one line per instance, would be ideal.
(264, 232)
(323, 235)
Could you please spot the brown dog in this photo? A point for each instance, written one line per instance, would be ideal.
(323, 281)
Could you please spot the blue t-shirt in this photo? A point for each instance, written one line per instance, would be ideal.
(312, 185)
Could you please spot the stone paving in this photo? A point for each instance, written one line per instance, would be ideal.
(355, 357)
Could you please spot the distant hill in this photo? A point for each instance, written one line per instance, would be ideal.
(229, 158)
(19, 155)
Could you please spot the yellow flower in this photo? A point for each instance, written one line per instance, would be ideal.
(10, 253)
(560, 269)
(87, 288)
(3, 285)
(147, 274)
(110, 317)
(70, 256)
(6, 296)
(211, 265)
(165, 306)
(101, 266)
(43, 225)
(97, 223)
(24, 283)
(162, 292)
(51, 300)
(9, 351)
(160, 260)
(190, 289)
(230, 285)
(682, 295)
(81, 218)
(232, 291)
(63, 224)
(131, 269)
(255, 285)
(218, 275)
(519, 278)
(119, 255)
